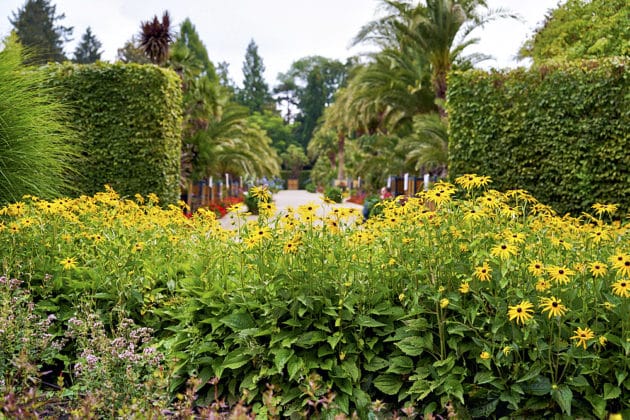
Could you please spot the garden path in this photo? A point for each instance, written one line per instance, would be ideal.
(294, 198)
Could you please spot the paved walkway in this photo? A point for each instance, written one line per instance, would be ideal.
(294, 198)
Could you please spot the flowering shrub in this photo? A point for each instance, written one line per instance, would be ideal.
(460, 300)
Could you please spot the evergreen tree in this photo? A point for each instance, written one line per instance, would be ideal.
(189, 46)
(255, 92)
(35, 27)
(88, 49)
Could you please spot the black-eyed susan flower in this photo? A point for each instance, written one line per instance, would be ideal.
(623, 266)
(622, 288)
(503, 250)
(560, 274)
(484, 272)
(553, 306)
(139, 246)
(484, 355)
(542, 285)
(536, 268)
(602, 340)
(68, 263)
(506, 350)
(464, 287)
(521, 312)
(601, 209)
(598, 269)
(582, 336)
(444, 303)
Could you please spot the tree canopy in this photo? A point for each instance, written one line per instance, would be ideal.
(88, 49)
(582, 29)
(36, 29)
(255, 93)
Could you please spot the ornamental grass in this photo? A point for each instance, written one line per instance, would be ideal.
(460, 301)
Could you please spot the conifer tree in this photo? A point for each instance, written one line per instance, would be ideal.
(88, 49)
(255, 92)
(36, 29)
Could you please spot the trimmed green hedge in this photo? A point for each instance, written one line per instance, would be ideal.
(129, 118)
(560, 132)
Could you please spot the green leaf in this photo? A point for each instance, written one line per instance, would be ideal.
(400, 365)
(295, 366)
(351, 369)
(281, 357)
(484, 378)
(533, 372)
(388, 384)
(377, 363)
(484, 411)
(366, 321)
(611, 391)
(412, 346)
(239, 321)
(598, 404)
(310, 338)
(541, 385)
(563, 396)
(236, 359)
(334, 339)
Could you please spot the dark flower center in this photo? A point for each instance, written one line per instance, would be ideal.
(554, 304)
(560, 272)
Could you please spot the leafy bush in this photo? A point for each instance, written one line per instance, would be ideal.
(36, 152)
(333, 194)
(487, 304)
(310, 187)
(558, 131)
(129, 118)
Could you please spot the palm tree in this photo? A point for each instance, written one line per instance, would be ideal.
(426, 148)
(438, 30)
(155, 38)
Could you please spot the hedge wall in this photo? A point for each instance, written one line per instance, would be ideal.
(560, 132)
(129, 119)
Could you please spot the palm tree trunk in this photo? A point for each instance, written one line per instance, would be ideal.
(341, 141)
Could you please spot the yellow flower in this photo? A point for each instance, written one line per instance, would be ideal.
(600, 209)
(503, 251)
(291, 247)
(622, 264)
(267, 209)
(598, 235)
(536, 268)
(263, 232)
(507, 350)
(598, 269)
(483, 273)
(621, 288)
(464, 287)
(68, 263)
(609, 306)
(521, 312)
(138, 247)
(444, 303)
(401, 297)
(602, 340)
(485, 355)
(470, 181)
(582, 336)
(560, 274)
(553, 306)
(542, 285)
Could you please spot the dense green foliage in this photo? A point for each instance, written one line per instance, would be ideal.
(582, 29)
(129, 118)
(87, 51)
(35, 144)
(35, 27)
(560, 132)
(488, 304)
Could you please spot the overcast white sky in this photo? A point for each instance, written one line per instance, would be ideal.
(284, 30)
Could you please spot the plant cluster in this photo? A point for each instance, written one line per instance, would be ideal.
(333, 194)
(135, 144)
(559, 131)
(461, 300)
